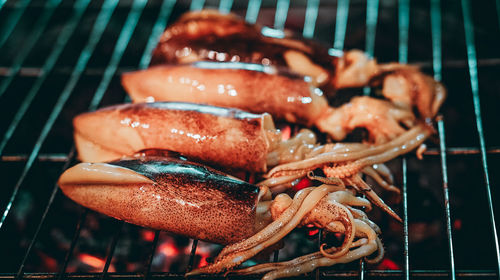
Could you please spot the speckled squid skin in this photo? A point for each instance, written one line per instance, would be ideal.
(230, 85)
(182, 197)
(225, 137)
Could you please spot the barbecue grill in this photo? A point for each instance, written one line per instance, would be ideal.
(61, 58)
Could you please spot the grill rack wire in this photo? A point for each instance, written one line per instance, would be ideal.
(82, 67)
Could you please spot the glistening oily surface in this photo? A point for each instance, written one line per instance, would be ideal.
(132, 248)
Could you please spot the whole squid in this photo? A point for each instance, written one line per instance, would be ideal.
(261, 89)
(234, 139)
(183, 197)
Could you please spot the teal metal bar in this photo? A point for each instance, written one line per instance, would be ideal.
(120, 46)
(472, 62)
(225, 6)
(341, 24)
(444, 170)
(371, 26)
(281, 14)
(436, 39)
(13, 20)
(406, 268)
(498, 11)
(404, 24)
(158, 28)
(437, 66)
(97, 31)
(196, 5)
(28, 44)
(371, 30)
(310, 20)
(253, 10)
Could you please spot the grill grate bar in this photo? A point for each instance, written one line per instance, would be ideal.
(111, 250)
(62, 40)
(225, 6)
(97, 31)
(371, 26)
(253, 10)
(32, 38)
(152, 255)
(76, 236)
(160, 24)
(281, 14)
(391, 274)
(498, 11)
(13, 20)
(436, 39)
(436, 54)
(341, 24)
(310, 19)
(42, 220)
(120, 46)
(406, 256)
(98, 71)
(196, 5)
(404, 22)
(444, 170)
(472, 61)
(192, 254)
(371, 31)
(370, 274)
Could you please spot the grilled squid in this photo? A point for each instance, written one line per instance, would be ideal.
(211, 36)
(187, 198)
(258, 89)
(233, 139)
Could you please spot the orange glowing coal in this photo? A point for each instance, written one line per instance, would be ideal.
(168, 249)
(96, 263)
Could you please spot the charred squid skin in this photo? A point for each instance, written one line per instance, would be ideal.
(241, 138)
(171, 194)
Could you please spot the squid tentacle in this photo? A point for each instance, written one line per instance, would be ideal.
(375, 154)
(370, 171)
(363, 187)
(277, 230)
(365, 247)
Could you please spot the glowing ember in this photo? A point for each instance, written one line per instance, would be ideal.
(313, 232)
(148, 235)
(96, 264)
(168, 249)
(203, 261)
(388, 264)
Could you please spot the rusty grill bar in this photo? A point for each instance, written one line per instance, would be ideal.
(166, 8)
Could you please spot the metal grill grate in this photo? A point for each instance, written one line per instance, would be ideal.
(17, 73)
